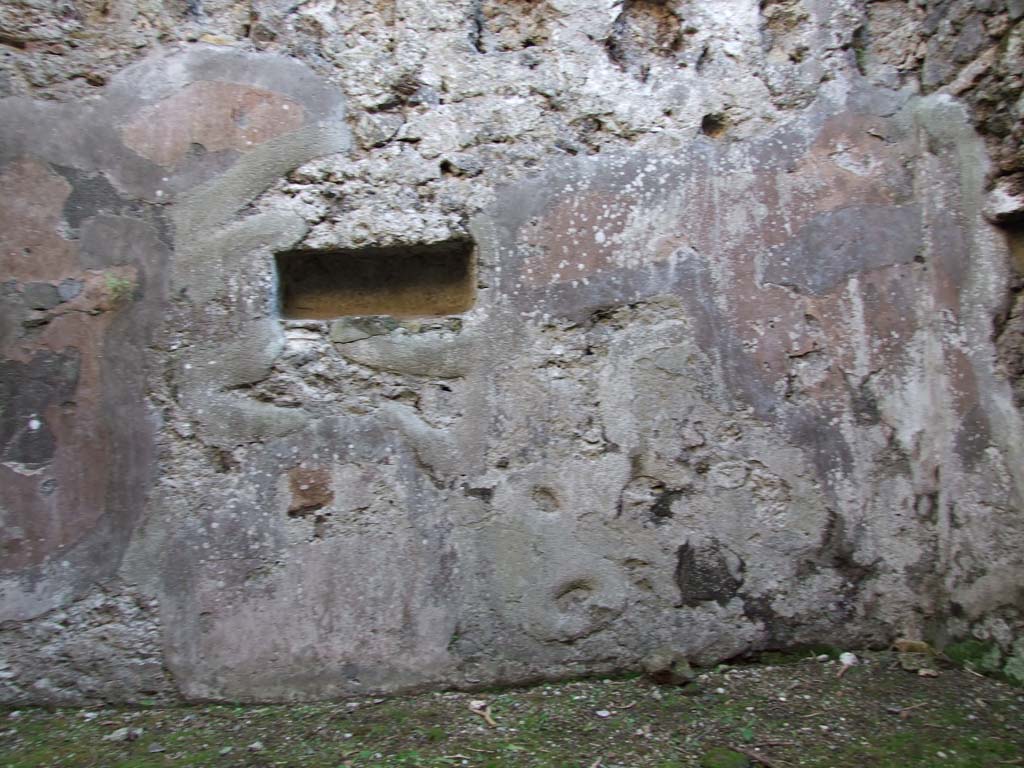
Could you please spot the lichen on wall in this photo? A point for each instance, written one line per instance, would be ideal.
(731, 366)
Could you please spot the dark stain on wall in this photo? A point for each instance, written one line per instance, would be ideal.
(27, 391)
(703, 574)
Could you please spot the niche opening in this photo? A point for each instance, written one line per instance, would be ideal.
(401, 281)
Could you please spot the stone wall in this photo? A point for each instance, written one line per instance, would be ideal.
(741, 370)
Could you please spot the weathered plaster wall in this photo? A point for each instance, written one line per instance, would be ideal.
(740, 372)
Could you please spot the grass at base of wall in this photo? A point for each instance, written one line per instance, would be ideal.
(797, 713)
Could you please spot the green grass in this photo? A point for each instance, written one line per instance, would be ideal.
(798, 714)
(119, 288)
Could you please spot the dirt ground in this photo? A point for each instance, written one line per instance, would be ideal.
(793, 712)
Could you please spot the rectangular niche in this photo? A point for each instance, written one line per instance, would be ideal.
(401, 281)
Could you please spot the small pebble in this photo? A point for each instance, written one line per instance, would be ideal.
(124, 734)
(603, 713)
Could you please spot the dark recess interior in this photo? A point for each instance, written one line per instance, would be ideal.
(404, 281)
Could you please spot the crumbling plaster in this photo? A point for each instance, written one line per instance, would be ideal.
(739, 372)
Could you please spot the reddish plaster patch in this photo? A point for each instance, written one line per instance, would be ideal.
(310, 488)
(55, 521)
(848, 164)
(31, 211)
(215, 115)
(575, 239)
(39, 523)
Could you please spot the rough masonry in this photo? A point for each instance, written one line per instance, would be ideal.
(371, 346)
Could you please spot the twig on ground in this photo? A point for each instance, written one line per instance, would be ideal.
(483, 709)
(903, 713)
(757, 757)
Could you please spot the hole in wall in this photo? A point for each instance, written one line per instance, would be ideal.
(545, 499)
(573, 595)
(713, 125)
(401, 281)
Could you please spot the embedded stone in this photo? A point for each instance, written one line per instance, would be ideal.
(41, 295)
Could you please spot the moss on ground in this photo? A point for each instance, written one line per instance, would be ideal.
(722, 757)
(795, 714)
(978, 655)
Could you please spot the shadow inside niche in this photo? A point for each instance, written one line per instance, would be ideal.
(400, 281)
